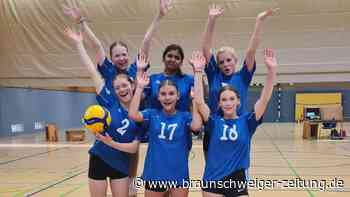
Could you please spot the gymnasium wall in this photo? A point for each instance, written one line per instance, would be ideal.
(271, 110)
(288, 100)
(25, 107)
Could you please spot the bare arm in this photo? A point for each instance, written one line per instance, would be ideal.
(100, 51)
(207, 41)
(85, 59)
(131, 147)
(75, 13)
(197, 121)
(255, 38)
(271, 64)
(134, 113)
(141, 82)
(198, 62)
(164, 7)
(202, 107)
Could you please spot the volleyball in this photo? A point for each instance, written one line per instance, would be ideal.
(97, 118)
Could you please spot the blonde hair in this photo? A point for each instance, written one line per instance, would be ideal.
(227, 49)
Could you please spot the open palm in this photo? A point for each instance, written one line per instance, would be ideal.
(142, 61)
(270, 59)
(215, 11)
(75, 36)
(165, 6)
(197, 61)
(142, 80)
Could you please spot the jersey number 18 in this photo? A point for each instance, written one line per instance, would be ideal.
(232, 133)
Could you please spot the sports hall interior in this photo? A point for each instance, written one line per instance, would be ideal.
(45, 89)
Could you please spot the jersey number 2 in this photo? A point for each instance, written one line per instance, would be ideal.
(123, 129)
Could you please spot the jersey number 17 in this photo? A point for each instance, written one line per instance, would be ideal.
(171, 127)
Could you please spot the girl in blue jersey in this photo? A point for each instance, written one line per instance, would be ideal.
(119, 53)
(221, 71)
(119, 59)
(109, 156)
(166, 163)
(173, 57)
(229, 136)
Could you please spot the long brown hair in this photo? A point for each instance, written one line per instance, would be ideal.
(175, 47)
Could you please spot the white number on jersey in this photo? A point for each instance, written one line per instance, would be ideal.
(123, 129)
(171, 127)
(232, 133)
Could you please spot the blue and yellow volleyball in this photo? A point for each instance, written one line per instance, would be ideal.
(97, 119)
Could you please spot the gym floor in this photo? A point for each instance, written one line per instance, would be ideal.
(29, 166)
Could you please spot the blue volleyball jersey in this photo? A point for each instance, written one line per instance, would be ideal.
(108, 70)
(121, 130)
(107, 97)
(239, 81)
(183, 82)
(168, 149)
(229, 145)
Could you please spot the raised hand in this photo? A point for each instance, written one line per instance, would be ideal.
(72, 12)
(197, 61)
(142, 80)
(164, 7)
(215, 11)
(270, 59)
(141, 61)
(269, 12)
(75, 36)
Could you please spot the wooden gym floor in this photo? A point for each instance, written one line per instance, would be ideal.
(29, 166)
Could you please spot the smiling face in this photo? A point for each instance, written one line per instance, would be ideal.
(168, 96)
(173, 57)
(227, 60)
(120, 56)
(123, 88)
(172, 60)
(228, 102)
